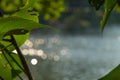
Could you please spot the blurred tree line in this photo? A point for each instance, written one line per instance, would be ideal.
(70, 16)
(79, 17)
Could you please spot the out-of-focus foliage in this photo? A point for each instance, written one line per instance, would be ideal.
(17, 18)
(50, 8)
(109, 5)
(117, 7)
(11, 6)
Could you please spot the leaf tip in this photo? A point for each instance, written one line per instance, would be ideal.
(102, 26)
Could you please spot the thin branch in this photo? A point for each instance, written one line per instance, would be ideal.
(23, 61)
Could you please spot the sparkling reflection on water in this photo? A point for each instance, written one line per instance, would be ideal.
(72, 57)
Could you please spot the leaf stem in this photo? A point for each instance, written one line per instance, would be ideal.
(23, 61)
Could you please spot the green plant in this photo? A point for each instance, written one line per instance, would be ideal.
(109, 6)
(17, 19)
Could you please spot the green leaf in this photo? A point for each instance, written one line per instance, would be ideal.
(117, 8)
(29, 4)
(17, 32)
(16, 69)
(16, 57)
(105, 18)
(113, 75)
(27, 15)
(19, 38)
(14, 23)
(5, 69)
(17, 26)
(109, 5)
(14, 75)
(6, 72)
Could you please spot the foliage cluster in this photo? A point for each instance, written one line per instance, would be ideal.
(109, 6)
(50, 8)
(17, 18)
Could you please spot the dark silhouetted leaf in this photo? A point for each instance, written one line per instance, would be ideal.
(96, 3)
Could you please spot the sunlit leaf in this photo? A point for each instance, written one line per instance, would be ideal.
(16, 69)
(20, 39)
(16, 57)
(27, 15)
(16, 26)
(14, 23)
(6, 71)
(113, 75)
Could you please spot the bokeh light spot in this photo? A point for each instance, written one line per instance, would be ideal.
(56, 58)
(34, 61)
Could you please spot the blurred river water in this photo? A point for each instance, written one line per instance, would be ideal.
(65, 57)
